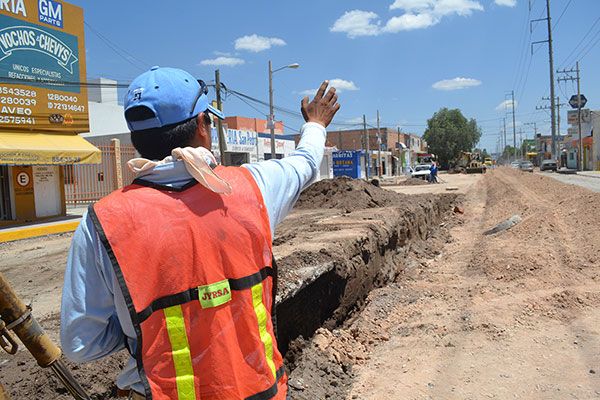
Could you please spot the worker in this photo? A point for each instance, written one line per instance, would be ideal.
(177, 267)
(433, 170)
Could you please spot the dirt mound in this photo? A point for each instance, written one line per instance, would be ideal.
(347, 194)
(413, 182)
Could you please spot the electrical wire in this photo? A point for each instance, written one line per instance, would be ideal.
(124, 54)
(568, 58)
(561, 15)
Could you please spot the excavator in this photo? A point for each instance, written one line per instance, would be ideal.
(469, 163)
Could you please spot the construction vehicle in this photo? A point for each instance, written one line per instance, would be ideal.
(469, 163)
(16, 318)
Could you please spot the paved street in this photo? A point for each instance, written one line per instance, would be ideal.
(588, 182)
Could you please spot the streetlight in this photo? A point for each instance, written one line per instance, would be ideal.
(271, 122)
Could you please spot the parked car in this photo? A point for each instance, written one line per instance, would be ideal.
(548, 165)
(421, 171)
(526, 166)
(515, 164)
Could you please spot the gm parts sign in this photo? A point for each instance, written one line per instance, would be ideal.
(42, 62)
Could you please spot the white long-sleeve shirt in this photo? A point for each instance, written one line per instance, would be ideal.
(95, 321)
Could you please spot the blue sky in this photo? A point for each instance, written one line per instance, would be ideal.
(406, 58)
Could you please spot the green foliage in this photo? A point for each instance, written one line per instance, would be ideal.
(448, 133)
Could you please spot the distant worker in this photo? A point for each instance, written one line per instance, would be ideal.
(433, 171)
(177, 267)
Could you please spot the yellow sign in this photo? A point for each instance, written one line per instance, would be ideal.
(42, 65)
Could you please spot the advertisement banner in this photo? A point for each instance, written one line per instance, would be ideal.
(236, 141)
(346, 163)
(42, 62)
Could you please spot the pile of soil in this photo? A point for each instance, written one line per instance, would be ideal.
(413, 182)
(347, 194)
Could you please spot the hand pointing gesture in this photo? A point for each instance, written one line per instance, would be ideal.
(322, 108)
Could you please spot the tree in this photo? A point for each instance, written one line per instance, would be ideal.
(448, 133)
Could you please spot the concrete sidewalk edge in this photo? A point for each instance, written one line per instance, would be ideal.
(26, 232)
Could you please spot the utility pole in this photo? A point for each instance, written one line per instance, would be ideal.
(271, 122)
(576, 78)
(399, 153)
(505, 142)
(220, 133)
(367, 155)
(379, 147)
(558, 116)
(514, 123)
(521, 144)
(551, 64)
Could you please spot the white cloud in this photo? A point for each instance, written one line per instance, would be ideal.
(507, 3)
(412, 5)
(257, 43)
(223, 61)
(506, 105)
(459, 7)
(409, 22)
(340, 85)
(357, 23)
(418, 14)
(456, 84)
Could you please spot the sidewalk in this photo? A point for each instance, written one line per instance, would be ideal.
(591, 174)
(37, 229)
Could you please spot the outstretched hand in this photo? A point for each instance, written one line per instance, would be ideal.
(322, 108)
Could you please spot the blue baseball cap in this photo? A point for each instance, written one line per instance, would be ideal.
(168, 96)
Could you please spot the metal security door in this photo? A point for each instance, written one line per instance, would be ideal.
(5, 207)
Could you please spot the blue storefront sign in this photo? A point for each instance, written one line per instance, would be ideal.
(237, 141)
(36, 53)
(347, 163)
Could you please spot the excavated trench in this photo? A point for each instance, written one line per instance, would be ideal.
(328, 268)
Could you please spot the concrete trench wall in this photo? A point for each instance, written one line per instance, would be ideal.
(348, 268)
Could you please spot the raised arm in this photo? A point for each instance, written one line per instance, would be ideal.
(282, 181)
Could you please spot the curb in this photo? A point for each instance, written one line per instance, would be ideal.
(27, 232)
(595, 176)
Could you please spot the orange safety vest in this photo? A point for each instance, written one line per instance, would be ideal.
(195, 269)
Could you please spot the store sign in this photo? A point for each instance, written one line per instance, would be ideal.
(236, 141)
(23, 179)
(42, 62)
(346, 163)
(586, 116)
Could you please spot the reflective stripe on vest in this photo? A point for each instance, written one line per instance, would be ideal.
(180, 352)
(261, 315)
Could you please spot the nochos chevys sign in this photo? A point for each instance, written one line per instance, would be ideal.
(42, 65)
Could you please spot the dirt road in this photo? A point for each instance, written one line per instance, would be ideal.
(510, 316)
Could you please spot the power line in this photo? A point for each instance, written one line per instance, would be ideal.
(564, 63)
(589, 49)
(124, 54)
(561, 15)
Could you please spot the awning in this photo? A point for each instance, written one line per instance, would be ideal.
(46, 148)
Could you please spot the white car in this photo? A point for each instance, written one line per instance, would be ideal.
(421, 171)
(515, 164)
